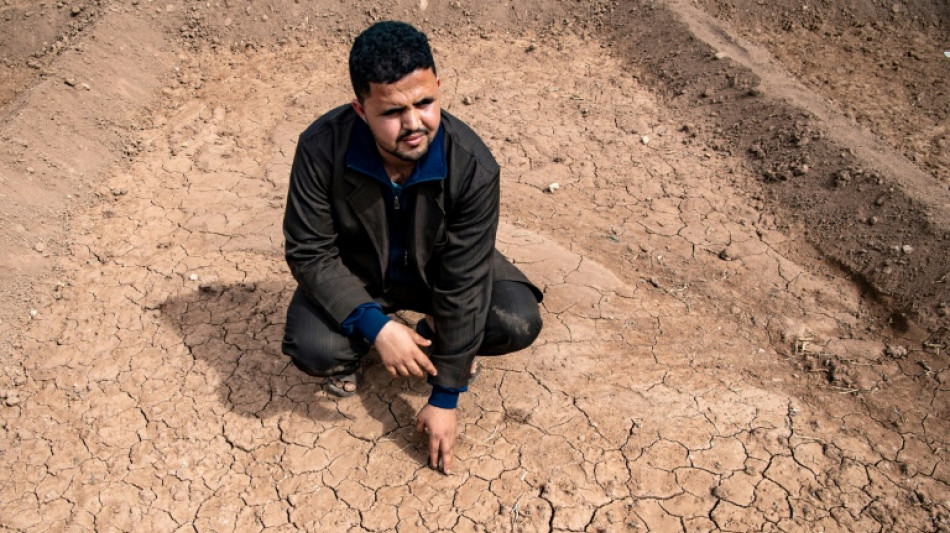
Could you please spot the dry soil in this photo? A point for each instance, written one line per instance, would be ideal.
(745, 265)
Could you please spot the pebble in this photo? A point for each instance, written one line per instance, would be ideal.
(467, 100)
(907, 249)
(721, 55)
(33, 313)
(39, 247)
(11, 398)
(645, 139)
(70, 81)
(193, 277)
(896, 351)
(552, 187)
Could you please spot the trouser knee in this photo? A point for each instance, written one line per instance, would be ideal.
(315, 345)
(514, 320)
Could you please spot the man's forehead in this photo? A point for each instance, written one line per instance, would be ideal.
(421, 81)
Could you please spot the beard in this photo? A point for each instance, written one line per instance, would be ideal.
(413, 155)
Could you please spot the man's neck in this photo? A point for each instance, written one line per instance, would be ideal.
(397, 169)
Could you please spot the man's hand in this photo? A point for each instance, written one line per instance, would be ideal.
(441, 425)
(398, 348)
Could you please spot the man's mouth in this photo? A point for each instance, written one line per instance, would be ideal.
(413, 137)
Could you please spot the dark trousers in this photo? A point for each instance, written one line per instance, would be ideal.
(318, 347)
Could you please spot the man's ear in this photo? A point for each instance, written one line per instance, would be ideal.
(358, 107)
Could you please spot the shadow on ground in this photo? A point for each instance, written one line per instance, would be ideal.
(237, 330)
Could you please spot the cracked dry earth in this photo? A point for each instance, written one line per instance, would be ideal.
(696, 371)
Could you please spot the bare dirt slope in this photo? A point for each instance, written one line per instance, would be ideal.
(706, 363)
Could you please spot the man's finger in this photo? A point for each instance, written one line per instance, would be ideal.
(446, 451)
(419, 339)
(413, 368)
(426, 365)
(433, 451)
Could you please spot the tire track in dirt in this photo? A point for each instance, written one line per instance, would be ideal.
(865, 207)
(665, 393)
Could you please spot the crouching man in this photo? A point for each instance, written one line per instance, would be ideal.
(393, 205)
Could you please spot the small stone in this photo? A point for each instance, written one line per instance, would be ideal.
(86, 86)
(193, 277)
(872, 220)
(552, 187)
(30, 170)
(794, 409)
(895, 351)
(721, 55)
(39, 247)
(907, 249)
(645, 139)
(33, 313)
(70, 81)
(75, 11)
(467, 100)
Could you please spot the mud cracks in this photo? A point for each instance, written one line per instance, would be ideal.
(691, 375)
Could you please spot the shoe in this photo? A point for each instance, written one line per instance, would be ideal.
(476, 371)
(344, 379)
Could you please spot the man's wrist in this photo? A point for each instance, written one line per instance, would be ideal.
(445, 397)
(367, 320)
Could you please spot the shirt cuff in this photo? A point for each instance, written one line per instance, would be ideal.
(367, 320)
(445, 397)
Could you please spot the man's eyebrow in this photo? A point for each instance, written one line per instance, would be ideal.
(393, 110)
(399, 108)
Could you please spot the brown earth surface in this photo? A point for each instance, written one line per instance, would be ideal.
(745, 266)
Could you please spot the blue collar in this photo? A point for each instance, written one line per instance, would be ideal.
(362, 156)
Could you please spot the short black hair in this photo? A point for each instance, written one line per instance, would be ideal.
(386, 52)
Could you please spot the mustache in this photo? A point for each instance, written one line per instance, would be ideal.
(407, 133)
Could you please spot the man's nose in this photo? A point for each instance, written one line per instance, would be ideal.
(411, 121)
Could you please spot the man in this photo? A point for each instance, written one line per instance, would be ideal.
(393, 204)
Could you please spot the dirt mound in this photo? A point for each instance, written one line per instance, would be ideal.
(703, 367)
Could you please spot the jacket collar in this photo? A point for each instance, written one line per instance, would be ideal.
(362, 156)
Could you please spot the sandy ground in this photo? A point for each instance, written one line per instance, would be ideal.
(710, 360)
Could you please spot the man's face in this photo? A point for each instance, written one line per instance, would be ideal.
(403, 116)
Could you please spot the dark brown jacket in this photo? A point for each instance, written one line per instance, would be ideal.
(337, 239)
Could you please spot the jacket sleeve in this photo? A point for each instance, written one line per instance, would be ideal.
(310, 237)
(462, 292)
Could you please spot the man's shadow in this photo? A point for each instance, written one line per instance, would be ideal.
(237, 330)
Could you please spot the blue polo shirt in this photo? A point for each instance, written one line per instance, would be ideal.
(362, 156)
